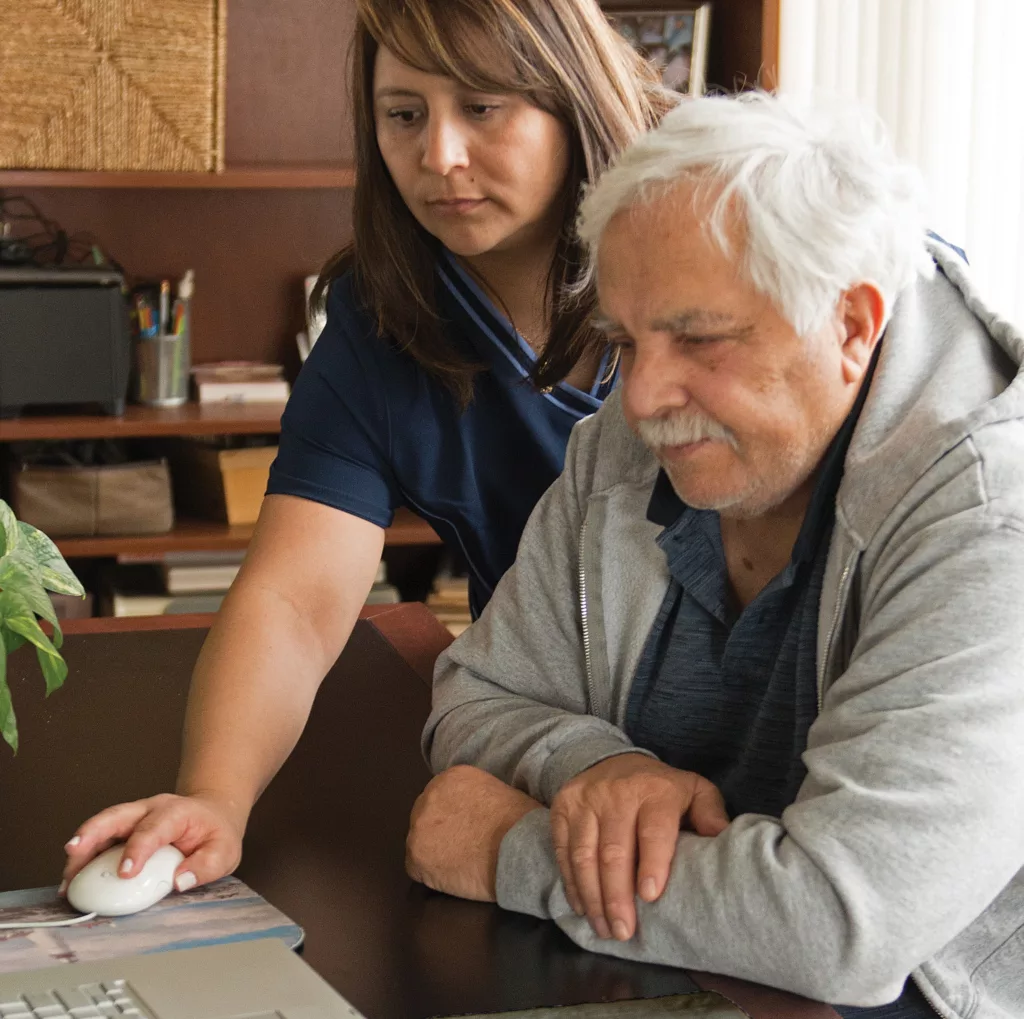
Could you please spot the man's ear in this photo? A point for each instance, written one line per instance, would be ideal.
(862, 309)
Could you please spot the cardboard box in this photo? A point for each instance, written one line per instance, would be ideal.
(221, 484)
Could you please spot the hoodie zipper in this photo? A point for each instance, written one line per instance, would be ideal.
(585, 618)
(840, 597)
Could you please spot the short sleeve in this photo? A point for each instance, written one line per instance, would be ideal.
(336, 430)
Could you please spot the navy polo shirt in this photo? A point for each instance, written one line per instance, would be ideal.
(730, 692)
(368, 430)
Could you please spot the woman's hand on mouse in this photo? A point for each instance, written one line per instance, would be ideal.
(207, 830)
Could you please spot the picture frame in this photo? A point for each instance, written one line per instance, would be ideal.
(674, 37)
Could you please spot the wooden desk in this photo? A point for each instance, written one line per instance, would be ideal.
(326, 841)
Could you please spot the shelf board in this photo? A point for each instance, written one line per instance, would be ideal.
(237, 177)
(207, 536)
(141, 422)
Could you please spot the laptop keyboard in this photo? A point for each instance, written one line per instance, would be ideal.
(109, 1000)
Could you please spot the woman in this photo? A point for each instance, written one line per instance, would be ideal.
(456, 358)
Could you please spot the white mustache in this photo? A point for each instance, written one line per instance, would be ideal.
(682, 429)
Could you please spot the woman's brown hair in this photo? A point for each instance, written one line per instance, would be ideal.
(565, 58)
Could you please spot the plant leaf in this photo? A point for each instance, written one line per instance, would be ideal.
(55, 670)
(21, 592)
(9, 639)
(8, 723)
(8, 529)
(55, 574)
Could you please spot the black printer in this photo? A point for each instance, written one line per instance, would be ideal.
(64, 338)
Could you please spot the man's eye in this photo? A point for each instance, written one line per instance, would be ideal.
(700, 341)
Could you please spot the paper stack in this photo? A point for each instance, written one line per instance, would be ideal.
(240, 382)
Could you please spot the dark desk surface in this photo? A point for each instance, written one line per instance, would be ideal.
(326, 841)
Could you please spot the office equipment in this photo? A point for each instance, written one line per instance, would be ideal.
(163, 344)
(226, 910)
(245, 980)
(65, 338)
(97, 888)
(165, 306)
(338, 811)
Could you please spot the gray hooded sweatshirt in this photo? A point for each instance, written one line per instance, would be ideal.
(903, 851)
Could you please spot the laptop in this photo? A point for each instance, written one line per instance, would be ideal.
(257, 979)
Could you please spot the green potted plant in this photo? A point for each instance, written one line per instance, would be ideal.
(30, 565)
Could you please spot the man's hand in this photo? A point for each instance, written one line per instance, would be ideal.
(604, 818)
(456, 829)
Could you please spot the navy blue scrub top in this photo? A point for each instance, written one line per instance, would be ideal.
(368, 430)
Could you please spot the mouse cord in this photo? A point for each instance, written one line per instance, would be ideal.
(47, 923)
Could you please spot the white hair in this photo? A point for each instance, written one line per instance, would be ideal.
(824, 201)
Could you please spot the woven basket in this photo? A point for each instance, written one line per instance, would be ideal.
(112, 84)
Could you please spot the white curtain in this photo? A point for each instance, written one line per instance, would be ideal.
(944, 75)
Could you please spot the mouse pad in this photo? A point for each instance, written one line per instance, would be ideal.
(226, 910)
(707, 1005)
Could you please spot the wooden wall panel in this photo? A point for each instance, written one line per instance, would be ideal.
(250, 250)
(287, 82)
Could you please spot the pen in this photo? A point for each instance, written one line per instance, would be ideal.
(178, 317)
(186, 286)
(165, 306)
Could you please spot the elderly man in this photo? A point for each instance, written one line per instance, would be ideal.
(752, 698)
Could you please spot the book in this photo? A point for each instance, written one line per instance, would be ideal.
(184, 582)
(210, 557)
(383, 594)
(200, 577)
(237, 371)
(243, 392)
(138, 589)
(449, 601)
(223, 911)
(127, 605)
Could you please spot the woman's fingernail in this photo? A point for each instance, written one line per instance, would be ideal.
(71, 843)
(185, 881)
(620, 930)
(126, 865)
(601, 927)
(648, 889)
(63, 888)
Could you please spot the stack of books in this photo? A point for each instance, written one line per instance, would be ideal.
(175, 584)
(181, 582)
(382, 593)
(240, 382)
(449, 601)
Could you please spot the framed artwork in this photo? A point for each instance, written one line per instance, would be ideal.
(674, 38)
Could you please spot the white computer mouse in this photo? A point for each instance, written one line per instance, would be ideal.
(96, 888)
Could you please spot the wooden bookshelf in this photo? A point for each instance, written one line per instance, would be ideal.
(207, 536)
(252, 232)
(186, 536)
(148, 422)
(252, 178)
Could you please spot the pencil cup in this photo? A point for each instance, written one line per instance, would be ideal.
(162, 370)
